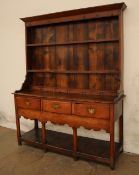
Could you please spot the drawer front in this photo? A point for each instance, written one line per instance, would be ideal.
(96, 110)
(57, 106)
(28, 103)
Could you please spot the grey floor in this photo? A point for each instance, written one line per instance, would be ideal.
(25, 160)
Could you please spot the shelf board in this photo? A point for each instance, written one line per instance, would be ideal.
(73, 42)
(74, 72)
(71, 96)
(88, 148)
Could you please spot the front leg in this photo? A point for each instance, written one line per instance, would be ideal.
(112, 140)
(18, 130)
(36, 124)
(44, 136)
(121, 132)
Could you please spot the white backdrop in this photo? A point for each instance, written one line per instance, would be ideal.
(12, 60)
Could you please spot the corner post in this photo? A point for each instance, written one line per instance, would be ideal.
(18, 130)
(112, 140)
(44, 136)
(74, 142)
(121, 130)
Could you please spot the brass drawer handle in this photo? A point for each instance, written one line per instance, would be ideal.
(91, 110)
(56, 106)
(27, 103)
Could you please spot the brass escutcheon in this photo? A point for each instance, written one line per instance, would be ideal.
(27, 103)
(91, 110)
(55, 106)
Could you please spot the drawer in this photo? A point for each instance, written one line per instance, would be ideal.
(28, 103)
(96, 110)
(56, 106)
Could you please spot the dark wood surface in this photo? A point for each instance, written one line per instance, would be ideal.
(74, 76)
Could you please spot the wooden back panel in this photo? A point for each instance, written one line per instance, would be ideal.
(80, 57)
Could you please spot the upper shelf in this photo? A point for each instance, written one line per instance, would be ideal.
(73, 42)
(75, 71)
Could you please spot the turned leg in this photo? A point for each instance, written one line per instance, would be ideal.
(121, 132)
(112, 140)
(36, 124)
(44, 136)
(74, 142)
(18, 130)
(36, 127)
(112, 147)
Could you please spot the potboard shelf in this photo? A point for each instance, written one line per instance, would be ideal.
(87, 148)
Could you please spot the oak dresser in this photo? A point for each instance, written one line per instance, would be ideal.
(74, 76)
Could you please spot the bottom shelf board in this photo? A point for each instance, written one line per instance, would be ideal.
(61, 142)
